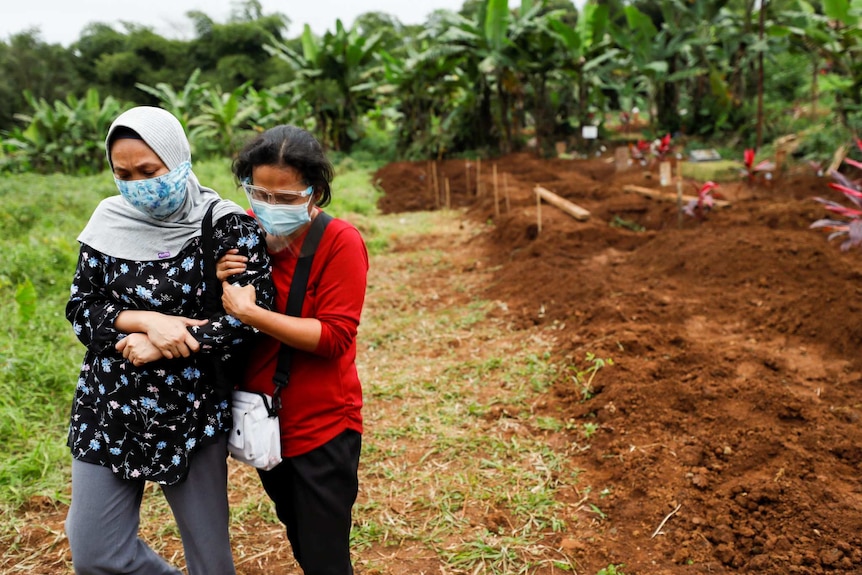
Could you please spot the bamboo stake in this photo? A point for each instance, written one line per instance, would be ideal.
(436, 186)
(780, 157)
(467, 170)
(496, 194)
(839, 156)
(448, 195)
(429, 183)
(506, 190)
(478, 177)
(679, 194)
(539, 211)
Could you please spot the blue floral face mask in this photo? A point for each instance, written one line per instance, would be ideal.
(157, 197)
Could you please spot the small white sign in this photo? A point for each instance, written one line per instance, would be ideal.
(590, 132)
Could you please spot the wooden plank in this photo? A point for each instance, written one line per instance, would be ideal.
(668, 197)
(838, 158)
(573, 210)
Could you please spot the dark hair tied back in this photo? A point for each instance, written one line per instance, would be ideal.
(288, 146)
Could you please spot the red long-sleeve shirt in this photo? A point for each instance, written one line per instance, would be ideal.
(324, 396)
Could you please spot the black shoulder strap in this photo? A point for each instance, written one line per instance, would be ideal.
(299, 283)
(298, 287)
(212, 295)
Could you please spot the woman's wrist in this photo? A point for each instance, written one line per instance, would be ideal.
(133, 320)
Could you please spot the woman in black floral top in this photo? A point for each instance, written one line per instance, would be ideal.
(145, 407)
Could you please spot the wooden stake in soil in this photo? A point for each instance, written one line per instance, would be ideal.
(478, 177)
(539, 210)
(780, 156)
(496, 194)
(506, 190)
(679, 193)
(467, 171)
(436, 187)
(448, 195)
(839, 156)
(573, 210)
(429, 184)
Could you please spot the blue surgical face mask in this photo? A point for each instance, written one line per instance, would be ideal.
(281, 220)
(157, 197)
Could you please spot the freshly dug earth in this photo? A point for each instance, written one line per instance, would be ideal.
(733, 409)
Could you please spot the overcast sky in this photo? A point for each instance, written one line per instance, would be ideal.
(61, 21)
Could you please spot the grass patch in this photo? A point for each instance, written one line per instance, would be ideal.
(717, 171)
(453, 459)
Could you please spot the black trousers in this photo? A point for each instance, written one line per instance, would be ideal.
(314, 495)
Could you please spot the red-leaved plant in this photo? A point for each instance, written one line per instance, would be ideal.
(658, 150)
(853, 162)
(661, 147)
(753, 170)
(850, 228)
(698, 207)
(639, 150)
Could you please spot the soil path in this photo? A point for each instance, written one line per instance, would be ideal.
(734, 406)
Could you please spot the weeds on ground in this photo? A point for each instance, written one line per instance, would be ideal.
(584, 376)
(618, 222)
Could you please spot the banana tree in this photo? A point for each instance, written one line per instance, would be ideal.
(271, 106)
(484, 47)
(223, 117)
(335, 76)
(65, 135)
(662, 59)
(424, 87)
(833, 39)
(184, 104)
(585, 54)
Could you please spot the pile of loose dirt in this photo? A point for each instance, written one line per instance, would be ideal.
(736, 393)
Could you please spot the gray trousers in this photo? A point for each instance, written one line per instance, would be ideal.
(102, 523)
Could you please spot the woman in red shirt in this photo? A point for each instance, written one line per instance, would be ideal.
(286, 176)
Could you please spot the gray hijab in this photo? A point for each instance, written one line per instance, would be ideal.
(118, 229)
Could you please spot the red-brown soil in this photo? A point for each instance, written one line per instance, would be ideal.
(736, 393)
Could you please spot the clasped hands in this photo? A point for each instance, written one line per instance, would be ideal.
(166, 337)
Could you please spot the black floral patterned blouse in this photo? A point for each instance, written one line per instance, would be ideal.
(146, 422)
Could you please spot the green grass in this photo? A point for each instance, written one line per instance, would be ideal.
(717, 171)
(39, 355)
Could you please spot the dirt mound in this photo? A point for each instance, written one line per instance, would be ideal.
(734, 403)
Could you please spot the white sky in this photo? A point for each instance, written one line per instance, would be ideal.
(61, 21)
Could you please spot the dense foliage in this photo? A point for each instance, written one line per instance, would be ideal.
(490, 78)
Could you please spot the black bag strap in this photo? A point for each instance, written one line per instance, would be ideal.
(295, 297)
(212, 295)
